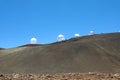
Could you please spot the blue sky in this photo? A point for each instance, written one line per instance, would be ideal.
(21, 20)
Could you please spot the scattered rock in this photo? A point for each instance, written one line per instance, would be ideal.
(61, 76)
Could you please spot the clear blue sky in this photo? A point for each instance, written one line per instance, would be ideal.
(21, 20)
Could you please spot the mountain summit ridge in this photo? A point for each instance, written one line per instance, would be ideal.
(95, 53)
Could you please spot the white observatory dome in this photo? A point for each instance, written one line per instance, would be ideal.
(91, 33)
(77, 35)
(61, 37)
(33, 40)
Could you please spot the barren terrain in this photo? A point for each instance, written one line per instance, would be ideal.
(61, 76)
(96, 53)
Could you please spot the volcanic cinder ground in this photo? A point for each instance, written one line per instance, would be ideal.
(95, 53)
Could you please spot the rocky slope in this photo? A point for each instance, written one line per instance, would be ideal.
(96, 53)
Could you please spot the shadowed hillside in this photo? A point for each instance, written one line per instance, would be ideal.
(1, 48)
(97, 53)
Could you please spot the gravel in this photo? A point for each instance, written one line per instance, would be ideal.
(61, 76)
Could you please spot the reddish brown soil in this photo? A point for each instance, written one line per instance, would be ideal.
(61, 76)
(96, 53)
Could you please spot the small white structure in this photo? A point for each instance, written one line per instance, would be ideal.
(77, 35)
(61, 37)
(33, 40)
(91, 33)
